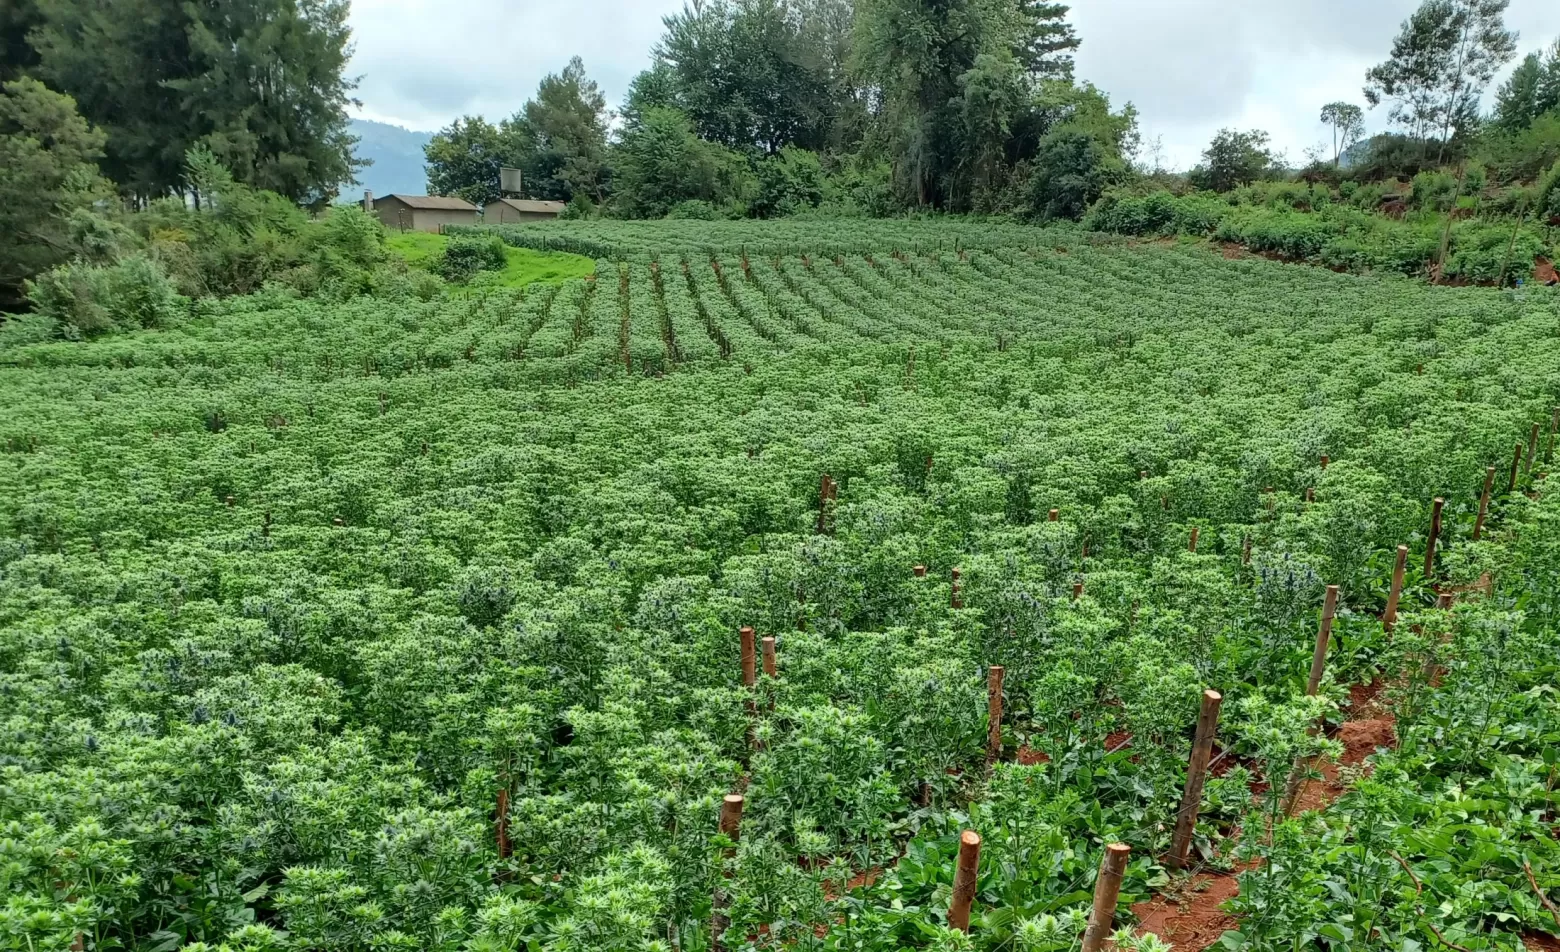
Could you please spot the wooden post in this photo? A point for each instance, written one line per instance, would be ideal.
(228, 501)
(956, 599)
(1323, 637)
(1245, 551)
(1056, 515)
(1484, 503)
(1445, 600)
(1196, 777)
(265, 524)
(1325, 461)
(965, 876)
(1516, 466)
(1435, 533)
(994, 713)
(1554, 427)
(1389, 617)
(731, 828)
(828, 491)
(771, 663)
(1532, 451)
(920, 571)
(1193, 546)
(1107, 890)
(749, 659)
(1077, 590)
(1310, 494)
(501, 825)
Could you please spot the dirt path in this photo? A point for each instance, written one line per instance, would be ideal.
(1190, 916)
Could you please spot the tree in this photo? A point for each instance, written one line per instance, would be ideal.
(464, 159)
(1443, 58)
(564, 133)
(1234, 159)
(661, 163)
(17, 56)
(259, 82)
(1046, 40)
(1532, 90)
(1348, 125)
(1071, 171)
(759, 73)
(49, 182)
(914, 53)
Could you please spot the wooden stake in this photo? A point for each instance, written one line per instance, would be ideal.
(1532, 451)
(1323, 637)
(964, 879)
(771, 663)
(1107, 890)
(749, 659)
(1056, 515)
(920, 571)
(828, 491)
(1445, 600)
(1196, 777)
(1389, 617)
(1310, 494)
(1554, 427)
(731, 827)
(1435, 534)
(956, 599)
(994, 713)
(1077, 590)
(1516, 466)
(1484, 503)
(1245, 551)
(1193, 546)
(1325, 461)
(501, 825)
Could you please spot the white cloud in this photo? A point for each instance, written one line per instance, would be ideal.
(1190, 66)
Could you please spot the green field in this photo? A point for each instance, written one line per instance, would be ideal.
(295, 594)
(524, 266)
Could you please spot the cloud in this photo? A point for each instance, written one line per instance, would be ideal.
(1190, 66)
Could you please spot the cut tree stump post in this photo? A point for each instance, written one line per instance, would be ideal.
(1532, 450)
(1484, 503)
(1196, 777)
(920, 571)
(1077, 590)
(1323, 637)
(1435, 534)
(1192, 547)
(828, 491)
(1245, 551)
(1312, 685)
(1516, 467)
(749, 659)
(771, 663)
(956, 598)
(1056, 515)
(964, 879)
(1325, 461)
(994, 713)
(1389, 617)
(1107, 891)
(731, 828)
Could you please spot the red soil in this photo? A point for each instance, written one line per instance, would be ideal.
(1191, 919)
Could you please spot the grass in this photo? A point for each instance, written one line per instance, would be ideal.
(522, 266)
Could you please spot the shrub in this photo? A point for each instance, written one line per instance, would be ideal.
(465, 255)
(87, 300)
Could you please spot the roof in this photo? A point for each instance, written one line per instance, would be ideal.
(534, 208)
(434, 203)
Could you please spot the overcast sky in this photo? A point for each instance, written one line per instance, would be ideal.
(1191, 66)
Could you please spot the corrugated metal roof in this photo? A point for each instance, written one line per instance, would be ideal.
(434, 202)
(528, 206)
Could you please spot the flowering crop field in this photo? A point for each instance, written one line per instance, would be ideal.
(401, 625)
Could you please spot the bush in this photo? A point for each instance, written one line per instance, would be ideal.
(695, 209)
(88, 300)
(1433, 191)
(1158, 213)
(465, 255)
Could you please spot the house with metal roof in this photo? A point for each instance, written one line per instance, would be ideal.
(424, 212)
(507, 211)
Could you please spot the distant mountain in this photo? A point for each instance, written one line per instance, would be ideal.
(398, 159)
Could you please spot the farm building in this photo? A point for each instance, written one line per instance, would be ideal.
(423, 212)
(507, 211)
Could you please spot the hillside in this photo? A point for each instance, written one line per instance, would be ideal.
(397, 155)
